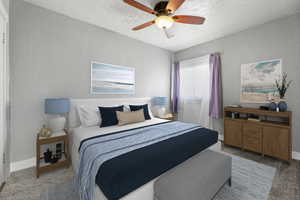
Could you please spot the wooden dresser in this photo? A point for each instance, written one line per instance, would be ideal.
(261, 131)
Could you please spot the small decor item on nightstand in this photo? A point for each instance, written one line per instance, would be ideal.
(48, 156)
(45, 132)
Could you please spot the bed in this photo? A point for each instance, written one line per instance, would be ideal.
(143, 187)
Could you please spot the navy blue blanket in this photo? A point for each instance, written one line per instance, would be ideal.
(125, 173)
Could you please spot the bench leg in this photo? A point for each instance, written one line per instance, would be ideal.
(229, 182)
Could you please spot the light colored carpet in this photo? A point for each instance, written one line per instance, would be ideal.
(250, 181)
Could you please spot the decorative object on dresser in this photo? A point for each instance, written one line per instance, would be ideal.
(56, 108)
(51, 160)
(282, 86)
(264, 107)
(160, 104)
(273, 106)
(269, 134)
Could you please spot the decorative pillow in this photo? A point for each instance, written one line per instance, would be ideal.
(144, 107)
(109, 116)
(89, 116)
(130, 117)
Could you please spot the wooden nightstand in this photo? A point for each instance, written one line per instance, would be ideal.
(169, 117)
(64, 161)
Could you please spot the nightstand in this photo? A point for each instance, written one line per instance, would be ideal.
(64, 161)
(169, 117)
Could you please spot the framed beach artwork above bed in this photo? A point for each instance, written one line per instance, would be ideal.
(258, 81)
(112, 79)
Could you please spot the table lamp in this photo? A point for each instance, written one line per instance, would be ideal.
(57, 108)
(160, 104)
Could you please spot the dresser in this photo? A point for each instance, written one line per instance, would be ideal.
(261, 131)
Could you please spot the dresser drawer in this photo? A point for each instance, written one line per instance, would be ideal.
(252, 137)
(233, 133)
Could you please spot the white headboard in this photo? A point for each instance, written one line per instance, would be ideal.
(73, 118)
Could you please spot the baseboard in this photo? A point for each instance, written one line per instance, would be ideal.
(23, 164)
(296, 155)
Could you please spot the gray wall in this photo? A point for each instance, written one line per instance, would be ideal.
(50, 57)
(278, 39)
(6, 4)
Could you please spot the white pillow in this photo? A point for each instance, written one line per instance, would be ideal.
(89, 116)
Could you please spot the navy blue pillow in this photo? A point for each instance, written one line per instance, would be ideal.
(109, 115)
(138, 107)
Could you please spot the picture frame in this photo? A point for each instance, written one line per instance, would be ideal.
(112, 79)
(258, 81)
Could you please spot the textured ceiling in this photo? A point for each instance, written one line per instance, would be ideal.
(224, 17)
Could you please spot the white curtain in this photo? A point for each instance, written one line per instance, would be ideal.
(195, 91)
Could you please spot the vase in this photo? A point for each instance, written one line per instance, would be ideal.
(272, 106)
(282, 105)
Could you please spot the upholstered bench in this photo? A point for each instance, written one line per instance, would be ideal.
(199, 178)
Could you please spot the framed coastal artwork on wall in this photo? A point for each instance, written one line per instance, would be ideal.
(112, 79)
(258, 81)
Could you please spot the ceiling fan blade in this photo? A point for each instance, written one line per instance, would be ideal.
(168, 34)
(140, 6)
(173, 5)
(143, 26)
(188, 19)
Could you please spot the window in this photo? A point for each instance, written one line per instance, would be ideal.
(195, 91)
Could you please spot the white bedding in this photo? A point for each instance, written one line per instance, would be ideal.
(145, 192)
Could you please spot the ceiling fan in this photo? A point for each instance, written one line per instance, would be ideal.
(164, 11)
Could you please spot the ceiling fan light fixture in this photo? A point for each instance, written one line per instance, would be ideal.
(164, 22)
